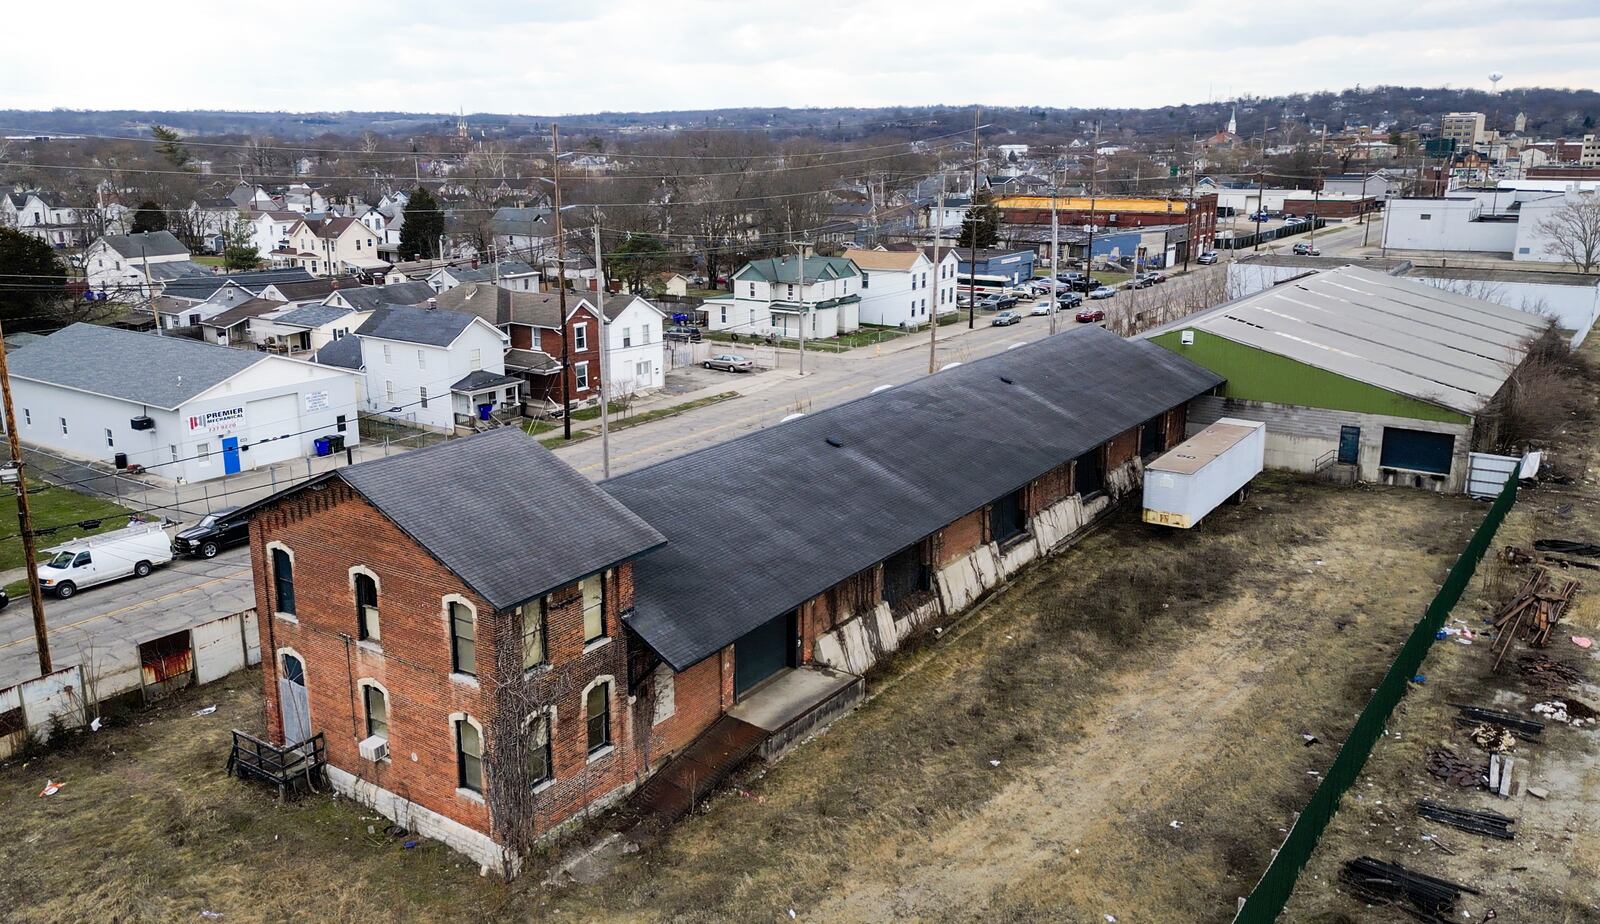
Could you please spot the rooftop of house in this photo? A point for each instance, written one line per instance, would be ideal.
(1045, 403)
(206, 284)
(309, 316)
(161, 372)
(503, 306)
(410, 324)
(365, 298)
(146, 244)
(883, 260)
(344, 353)
(510, 545)
(781, 270)
(244, 311)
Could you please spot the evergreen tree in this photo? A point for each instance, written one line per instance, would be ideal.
(981, 227)
(149, 217)
(23, 256)
(170, 144)
(419, 236)
(638, 257)
(240, 253)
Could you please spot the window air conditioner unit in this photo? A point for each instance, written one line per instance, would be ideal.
(375, 748)
(142, 423)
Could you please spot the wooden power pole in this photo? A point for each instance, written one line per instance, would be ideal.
(561, 285)
(24, 518)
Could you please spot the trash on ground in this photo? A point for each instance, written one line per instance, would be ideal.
(206, 711)
(1489, 824)
(1424, 897)
(51, 787)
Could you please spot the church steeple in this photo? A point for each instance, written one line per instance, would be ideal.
(1233, 120)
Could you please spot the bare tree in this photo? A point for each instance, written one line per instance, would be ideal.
(1572, 231)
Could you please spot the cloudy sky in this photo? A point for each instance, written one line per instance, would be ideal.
(547, 57)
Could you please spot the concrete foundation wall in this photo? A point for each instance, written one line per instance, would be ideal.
(1299, 437)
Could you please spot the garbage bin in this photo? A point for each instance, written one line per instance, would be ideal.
(335, 442)
(323, 447)
(121, 460)
(484, 411)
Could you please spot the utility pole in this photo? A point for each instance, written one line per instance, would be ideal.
(800, 256)
(938, 241)
(24, 518)
(1316, 190)
(1192, 220)
(1366, 214)
(1261, 200)
(972, 215)
(147, 293)
(1094, 179)
(1055, 240)
(605, 353)
(561, 287)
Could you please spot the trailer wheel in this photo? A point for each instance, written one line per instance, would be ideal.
(1241, 495)
(142, 569)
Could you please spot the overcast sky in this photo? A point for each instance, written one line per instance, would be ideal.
(547, 57)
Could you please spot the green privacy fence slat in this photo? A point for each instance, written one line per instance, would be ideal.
(1272, 892)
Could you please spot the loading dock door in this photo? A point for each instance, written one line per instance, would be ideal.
(274, 430)
(1417, 450)
(762, 652)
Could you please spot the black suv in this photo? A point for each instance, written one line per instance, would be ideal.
(215, 531)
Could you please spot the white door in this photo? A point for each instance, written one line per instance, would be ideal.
(274, 430)
(294, 705)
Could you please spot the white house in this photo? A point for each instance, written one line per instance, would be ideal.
(515, 275)
(771, 296)
(214, 217)
(305, 328)
(183, 409)
(48, 217)
(901, 288)
(134, 265)
(636, 350)
(435, 369)
(269, 232)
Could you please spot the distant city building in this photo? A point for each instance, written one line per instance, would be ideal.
(1464, 128)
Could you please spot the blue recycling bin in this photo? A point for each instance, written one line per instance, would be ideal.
(484, 410)
(324, 446)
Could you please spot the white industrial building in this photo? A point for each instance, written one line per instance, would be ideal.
(183, 409)
(1501, 220)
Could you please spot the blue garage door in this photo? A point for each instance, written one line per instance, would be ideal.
(1417, 450)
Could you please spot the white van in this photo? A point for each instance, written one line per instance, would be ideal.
(136, 549)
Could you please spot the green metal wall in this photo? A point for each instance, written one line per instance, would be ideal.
(1257, 375)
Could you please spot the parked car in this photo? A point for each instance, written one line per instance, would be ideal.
(1141, 281)
(1260, 216)
(1159, 276)
(1303, 249)
(133, 550)
(996, 302)
(1102, 292)
(1090, 315)
(730, 362)
(1207, 258)
(1069, 300)
(216, 531)
(683, 334)
(5, 598)
(1040, 309)
(1006, 319)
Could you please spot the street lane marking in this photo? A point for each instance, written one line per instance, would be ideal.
(130, 607)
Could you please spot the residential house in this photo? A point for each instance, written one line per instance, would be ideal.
(366, 298)
(269, 233)
(770, 297)
(508, 274)
(674, 284)
(533, 321)
(405, 611)
(233, 327)
(305, 328)
(435, 369)
(636, 349)
(211, 218)
(527, 232)
(136, 265)
(331, 247)
(901, 288)
(50, 218)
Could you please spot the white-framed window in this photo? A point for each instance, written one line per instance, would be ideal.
(173, 449)
(375, 703)
(644, 370)
(202, 453)
(724, 314)
(597, 714)
(388, 355)
(111, 442)
(752, 290)
(592, 589)
(422, 359)
(581, 370)
(475, 359)
(422, 392)
(627, 336)
(580, 337)
(540, 728)
(282, 578)
(469, 753)
(27, 417)
(364, 585)
(63, 426)
(388, 392)
(463, 636)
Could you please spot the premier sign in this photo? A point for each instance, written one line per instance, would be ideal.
(226, 420)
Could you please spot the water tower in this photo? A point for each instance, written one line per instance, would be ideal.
(1494, 81)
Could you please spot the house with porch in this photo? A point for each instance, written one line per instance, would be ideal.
(533, 322)
(901, 288)
(435, 369)
(778, 295)
(447, 662)
(294, 330)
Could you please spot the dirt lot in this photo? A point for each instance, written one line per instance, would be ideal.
(1140, 679)
(1551, 872)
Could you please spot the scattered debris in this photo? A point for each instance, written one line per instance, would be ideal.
(1547, 673)
(1515, 723)
(994, 763)
(94, 724)
(1582, 641)
(1423, 897)
(1500, 766)
(1567, 547)
(1490, 824)
(1568, 712)
(206, 711)
(51, 787)
(1444, 764)
(1174, 823)
(1492, 738)
(1310, 739)
(1533, 611)
(213, 915)
(1538, 792)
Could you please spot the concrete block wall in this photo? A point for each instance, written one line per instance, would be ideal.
(1297, 437)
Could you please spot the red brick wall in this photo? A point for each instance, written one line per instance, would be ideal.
(1122, 448)
(700, 694)
(522, 337)
(550, 342)
(329, 531)
(332, 529)
(961, 537)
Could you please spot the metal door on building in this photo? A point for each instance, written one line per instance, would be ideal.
(762, 652)
(1349, 445)
(294, 705)
(1417, 450)
(230, 455)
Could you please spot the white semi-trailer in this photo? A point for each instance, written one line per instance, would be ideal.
(1197, 475)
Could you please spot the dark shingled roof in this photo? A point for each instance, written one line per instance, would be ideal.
(416, 325)
(365, 298)
(758, 525)
(468, 503)
(479, 379)
(204, 286)
(344, 353)
(162, 372)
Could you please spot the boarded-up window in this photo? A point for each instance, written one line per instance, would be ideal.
(1153, 436)
(1007, 518)
(907, 578)
(1088, 473)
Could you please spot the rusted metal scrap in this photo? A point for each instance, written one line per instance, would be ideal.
(1458, 771)
(1533, 611)
(1545, 672)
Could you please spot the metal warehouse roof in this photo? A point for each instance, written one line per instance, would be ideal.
(1398, 334)
(503, 513)
(161, 372)
(757, 525)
